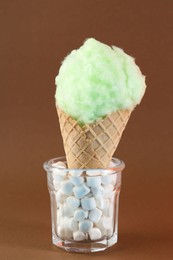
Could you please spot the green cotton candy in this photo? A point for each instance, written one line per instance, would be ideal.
(96, 80)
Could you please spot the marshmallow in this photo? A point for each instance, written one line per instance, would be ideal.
(59, 164)
(85, 226)
(60, 197)
(73, 202)
(100, 202)
(76, 180)
(78, 235)
(80, 214)
(95, 234)
(107, 179)
(107, 222)
(93, 181)
(59, 170)
(109, 232)
(67, 187)
(95, 215)
(111, 210)
(97, 191)
(108, 191)
(63, 230)
(81, 191)
(74, 172)
(66, 211)
(56, 185)
(88, 203)
(105, 209)
(58, 178)
(72, 224)
(105, 225)
(94, 173)
(105, 232)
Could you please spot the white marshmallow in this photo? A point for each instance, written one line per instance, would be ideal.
(59, 171)
(60, 197)
(108, 171)
(81, 191)
(56, 185)
(67, 187)
(95, 215)
(106, 226)
(94, 181)
(95, 234)
(107, 179)
(108, 190)
(105, 209)
(63, 230)
(88, 203)
(78, 235)
(65, 210)
(94, 173)
(97, 191)
(76, 180)
(73, 202)
(57, 181)
(111, 210)
(107, 222)
(72, 224)
(80, 214)
(100, 202)
(59, 164)
(85, 226)
(75, 172)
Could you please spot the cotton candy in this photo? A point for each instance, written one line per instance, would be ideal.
(96, 80)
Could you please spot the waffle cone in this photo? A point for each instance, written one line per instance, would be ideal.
(92, 145)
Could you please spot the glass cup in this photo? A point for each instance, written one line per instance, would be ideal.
(84, 205)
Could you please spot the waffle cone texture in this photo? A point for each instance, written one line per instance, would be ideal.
(92, 145)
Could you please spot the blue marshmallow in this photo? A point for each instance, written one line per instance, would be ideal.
(80, 214)
(67, 187)
(85, 226)
(73, 202)
(95, 215)
(88, 203)
(81, 191)
(93, 181)
(76, 180)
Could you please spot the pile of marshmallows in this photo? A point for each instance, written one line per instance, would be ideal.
(85, 205)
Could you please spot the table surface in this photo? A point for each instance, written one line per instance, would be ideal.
(35, 37)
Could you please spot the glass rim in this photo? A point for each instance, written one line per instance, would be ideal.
(117, 165)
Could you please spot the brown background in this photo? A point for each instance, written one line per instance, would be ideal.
(35, 35)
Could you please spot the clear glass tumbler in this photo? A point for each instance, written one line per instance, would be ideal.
(84, 205)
